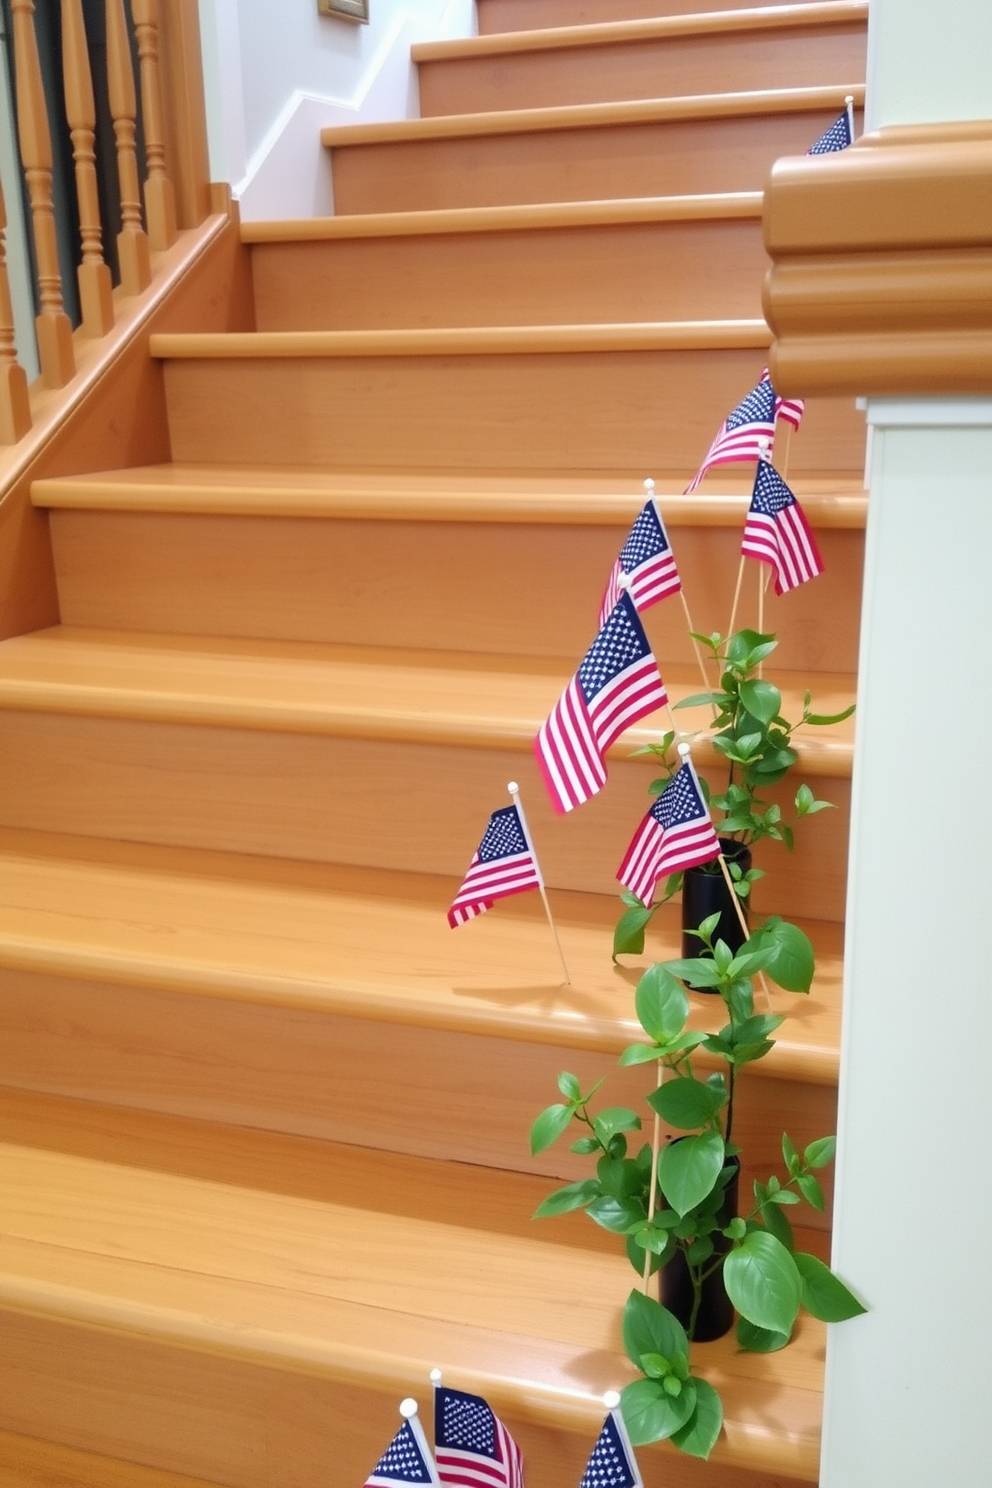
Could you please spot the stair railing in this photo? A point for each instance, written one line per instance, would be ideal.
(157, 116)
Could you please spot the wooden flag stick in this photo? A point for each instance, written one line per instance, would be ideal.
(737, 595)
(514, 790)
(849, 105)
(744, 924)
(655, 1153)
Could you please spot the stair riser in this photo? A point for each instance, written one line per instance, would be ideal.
(536, 15)
(315, 1075)
(378, 803)
(317, 580)
(650, 159)
(632, 411)
(248, 1424)
(675, 66)
(630, 272)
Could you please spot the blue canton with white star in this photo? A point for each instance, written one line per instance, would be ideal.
(645, 541)
(609, 1465)
(757, 408)
(770, 495)
(503, 837)
(402, 1461)
(619, 644)
(679, 802)
(837, 137)
(466, 1424)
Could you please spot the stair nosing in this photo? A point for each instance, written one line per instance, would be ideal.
(596, 115)
(618, 33)
(536, 340)
(514, 217)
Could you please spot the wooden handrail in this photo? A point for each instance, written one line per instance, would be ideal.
(53, 327)
(15, 413)
(160, 198)
(93, 273)
(132, 241)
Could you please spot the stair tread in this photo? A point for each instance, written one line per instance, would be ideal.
(31, 1463)
(466, 340)
(365, 692)
(357, 942)
(228, 1241)
(597, 115)
(799, 17)
(393, 496)
(509, 218)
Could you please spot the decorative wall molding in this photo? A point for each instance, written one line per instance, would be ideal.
(881, 278)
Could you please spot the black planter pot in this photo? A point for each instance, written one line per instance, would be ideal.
(716, 1313)
(704, 894)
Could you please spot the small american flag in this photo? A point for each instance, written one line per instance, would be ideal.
(776, 532)
(676, 834)
(790, 410)
(472, 1446)
(837, 137)
(504, 864)
(612, 1464)
(407, 1459)
(617, 682)
(738, 437)
(646, 562)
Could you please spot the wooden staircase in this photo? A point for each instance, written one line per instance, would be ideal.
(265, 1116)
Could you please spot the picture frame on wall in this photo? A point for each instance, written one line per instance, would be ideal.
(345, 10)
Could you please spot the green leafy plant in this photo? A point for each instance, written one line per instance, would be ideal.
(675, 1206)
(754, 738)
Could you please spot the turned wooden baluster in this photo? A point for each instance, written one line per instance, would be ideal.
(15, 411)
(54, 329)
(93, 273)
(132, 242)
(160, 199)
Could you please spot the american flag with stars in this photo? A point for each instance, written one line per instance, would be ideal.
(676, 834)
(472, 1446)
(837, 137)
(407, 1459)
(776, 532)
(612, 1464)
(617, 682)
(646, 562)
(504, 864)
(739, 436)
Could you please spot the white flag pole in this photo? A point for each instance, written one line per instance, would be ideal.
(611, 1401)
(514, 790)
(849, 105)
(408, 1410)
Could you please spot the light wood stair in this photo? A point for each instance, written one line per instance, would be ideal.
(264, 1114)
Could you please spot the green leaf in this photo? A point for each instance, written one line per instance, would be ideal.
(650, 1414)
(699, 699)
(789, 1155)
(650, 1328)
(778, 1225)
(825, 718)
(686, 1103)
(761, 699)
(639, 1054)
(820, 1152)
(620, 1176)
(615, 1119)
(811, 1191)
(617, 1215)
(628, 937)
(699, 971)
(760, 1340)
(699, 1434)
(762, 1282)
(792, 962)
(661, 1004)
(689, 1168)
(570, 1087)
(824, 1294)
(564, 1200)
(548, 1127)
(584, 1146)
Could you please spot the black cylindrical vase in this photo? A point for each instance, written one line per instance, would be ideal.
(715, 1316)
(706, 893)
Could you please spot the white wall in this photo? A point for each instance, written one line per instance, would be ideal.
(275, 75)
(906, 1398)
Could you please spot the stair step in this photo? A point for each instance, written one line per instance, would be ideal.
(506, 398)
(497, 16)
(291, 749)
(195, 1272)
(26, 1462)
(658, 258)
(282, 995)
(142, 550)
(650, 147)
(811, 44)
